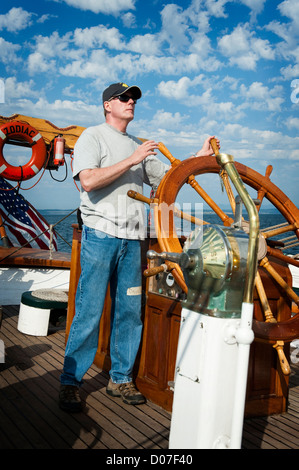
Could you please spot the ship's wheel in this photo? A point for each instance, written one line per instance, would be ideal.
(181, 173)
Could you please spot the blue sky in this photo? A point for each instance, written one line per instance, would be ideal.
(205, 67)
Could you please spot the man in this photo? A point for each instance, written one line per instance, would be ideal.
(108, 162)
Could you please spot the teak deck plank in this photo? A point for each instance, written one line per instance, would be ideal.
(31, 418)
(15, 256)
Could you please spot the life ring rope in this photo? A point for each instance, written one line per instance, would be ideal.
(23, 131)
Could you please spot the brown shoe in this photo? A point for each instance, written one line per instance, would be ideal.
(69, 399)
(127, 391)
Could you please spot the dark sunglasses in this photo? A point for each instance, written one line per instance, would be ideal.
(123, 98)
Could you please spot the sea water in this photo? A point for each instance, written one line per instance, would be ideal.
(268, 218)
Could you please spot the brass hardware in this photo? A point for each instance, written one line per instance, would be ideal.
(227, 162)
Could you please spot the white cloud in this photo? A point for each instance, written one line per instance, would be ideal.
(175, 90)
(292, 122)
(294, 156)
(290, 8)
(15, 20)
(164, 65)
(37, 63)
(102, 36)
(15, 90)
(174, 27)
(263, 48)
(148, 44)
(53, 45)
(259, 97)
(81, 110)
(289, 32)
(99, 65)
(61, 113)
(99, 36)
(103, 65)
(256, 7)
(42, 19)
(166, 120)
(47, 50)
(129, 20)
(113, 7)
(244, 49)
(258, 148)
(280, 29)
(201, 45)
(216, 8)
(232, 82)
(184, 31)
(235, 42)
(208, 96)
(244, 62)
(260, 140)
(290, 72)
(94, 55)
(8, 52)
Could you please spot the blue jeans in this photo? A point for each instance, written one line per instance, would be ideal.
(105, 259)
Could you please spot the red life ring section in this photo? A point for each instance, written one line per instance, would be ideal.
(22, 131)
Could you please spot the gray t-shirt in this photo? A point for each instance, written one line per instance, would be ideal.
(109, 209)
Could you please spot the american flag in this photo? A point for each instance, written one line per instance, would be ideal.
(22, 221)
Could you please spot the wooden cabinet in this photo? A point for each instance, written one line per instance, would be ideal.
(159, 346)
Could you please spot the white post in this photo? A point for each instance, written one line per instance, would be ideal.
(244, 337)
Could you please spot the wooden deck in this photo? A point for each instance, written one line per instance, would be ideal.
(31, 419)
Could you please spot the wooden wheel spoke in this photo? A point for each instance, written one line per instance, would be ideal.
(163, 149)
(182, 215)
(279, 255)
(262, 192)
(226, 184)
(284, 364)
(279, 230)
(177, 212)
(227, 221)
(162, 237)
(276, 276)
(269, 317)
(202, 193)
